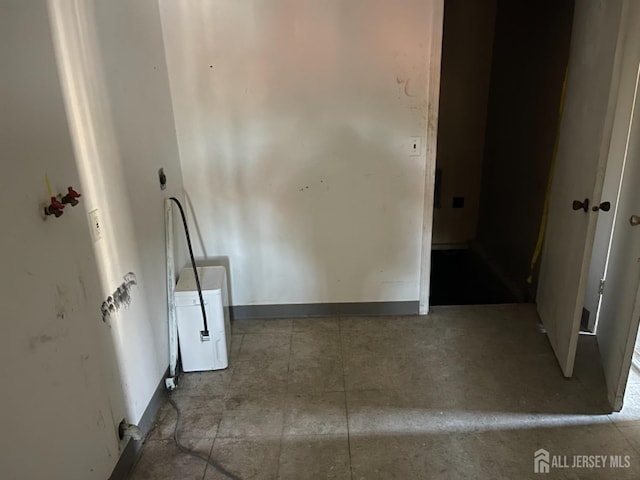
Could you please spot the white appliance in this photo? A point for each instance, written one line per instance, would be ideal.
(198, 353)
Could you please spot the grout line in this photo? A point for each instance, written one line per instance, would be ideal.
(624, 435)
(284, 400)
(206, 465)
(227, 387)
(344, 387)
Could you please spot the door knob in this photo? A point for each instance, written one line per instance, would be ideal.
(604, 206)
(634, 220)
(578, 205)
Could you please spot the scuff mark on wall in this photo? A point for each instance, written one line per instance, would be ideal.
(83, 287)
(45, 338)
(34, 341)
(100, 423)
(61, 302)
(404, 81)
(120, 298)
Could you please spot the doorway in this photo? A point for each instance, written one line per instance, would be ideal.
(503, 69)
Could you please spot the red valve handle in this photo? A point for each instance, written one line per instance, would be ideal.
(55, 204)
(72, 193)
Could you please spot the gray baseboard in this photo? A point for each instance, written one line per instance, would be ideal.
(297, 310)
(132, 450)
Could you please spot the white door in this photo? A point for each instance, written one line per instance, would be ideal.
(620, 305)
(605, 222)
(616, 160)
(585, 134)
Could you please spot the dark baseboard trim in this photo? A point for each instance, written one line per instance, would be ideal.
(132, 450)
(296, 310)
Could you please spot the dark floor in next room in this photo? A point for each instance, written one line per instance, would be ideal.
(461, 277)
(465, 393)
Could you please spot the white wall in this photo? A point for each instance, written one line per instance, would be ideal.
(135, 72)
(116, 88)
(56, 417)
(85, 99)
(291, 118)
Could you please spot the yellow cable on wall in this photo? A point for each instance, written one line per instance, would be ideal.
(46, 180)
(545, 210)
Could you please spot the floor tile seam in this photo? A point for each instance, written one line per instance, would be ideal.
(246, 436)
(327, 435)
(233, 369)
(183, 436)
(620, 430)
(313, 392)
(314, 361)
(263, 357)
(206, 466)
(284, 401)
(346, 405)
(224, 398)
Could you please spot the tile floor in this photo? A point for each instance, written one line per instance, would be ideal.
(467, 392)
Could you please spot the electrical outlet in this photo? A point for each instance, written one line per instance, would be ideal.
(413, 146)
(162, 178)
(95, 225)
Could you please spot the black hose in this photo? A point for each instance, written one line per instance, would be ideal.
(205, 332)
(185, 450)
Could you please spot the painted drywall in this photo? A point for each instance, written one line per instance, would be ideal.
(530, 55)
(467, 48)
(293, 122)
(138, 91)
(56, 413)
(116, 88)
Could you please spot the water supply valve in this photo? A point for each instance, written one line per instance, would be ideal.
(54, 208)
(71, 197)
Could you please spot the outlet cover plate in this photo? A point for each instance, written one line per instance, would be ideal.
(414, 146)
(95, 225)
